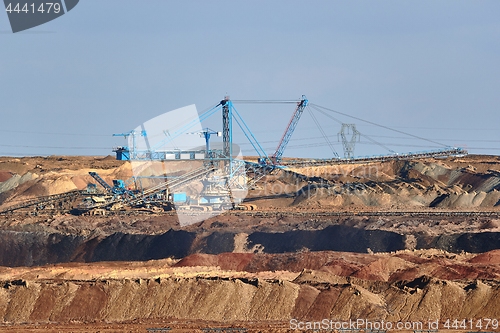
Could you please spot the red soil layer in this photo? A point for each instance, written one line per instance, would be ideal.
(4, 175)
(379, 267)
(492, 257)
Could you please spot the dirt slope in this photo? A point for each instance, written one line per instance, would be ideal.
(457, 183)
(291, 258)
(451, 183)
(248, 287)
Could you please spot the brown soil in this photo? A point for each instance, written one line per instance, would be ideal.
(253, 290)
(471, 182)
(292, 258)
(5, 175)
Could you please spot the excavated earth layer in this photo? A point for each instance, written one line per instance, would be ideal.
(34, 241)
(470, 182)
(244, 289)
(27, 248)
(292, 258)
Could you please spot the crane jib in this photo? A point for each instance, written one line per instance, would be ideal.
(276, 157)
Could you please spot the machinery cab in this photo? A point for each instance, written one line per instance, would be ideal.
(119, 186)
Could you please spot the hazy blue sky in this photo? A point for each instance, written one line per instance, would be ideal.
(429, 68)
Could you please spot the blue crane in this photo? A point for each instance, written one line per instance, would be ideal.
(207, 133)
(123, 152)
(278, 154)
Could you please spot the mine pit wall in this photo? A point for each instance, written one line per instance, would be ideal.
(35, 248)
(467, 242)
(38, 248)
(334, 238)
(227, 300)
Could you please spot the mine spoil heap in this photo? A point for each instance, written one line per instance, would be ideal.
(413, 240)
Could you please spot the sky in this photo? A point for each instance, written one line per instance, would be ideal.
(427, 68)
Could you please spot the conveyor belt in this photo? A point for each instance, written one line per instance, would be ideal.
(42, 200)
(384, 158)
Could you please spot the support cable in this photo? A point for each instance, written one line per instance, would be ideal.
(258, 148)
(323, 133)
(361, 134)
(247, 101)
(375, 124)
(186, 125)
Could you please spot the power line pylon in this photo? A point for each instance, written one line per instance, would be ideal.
(349, 143)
